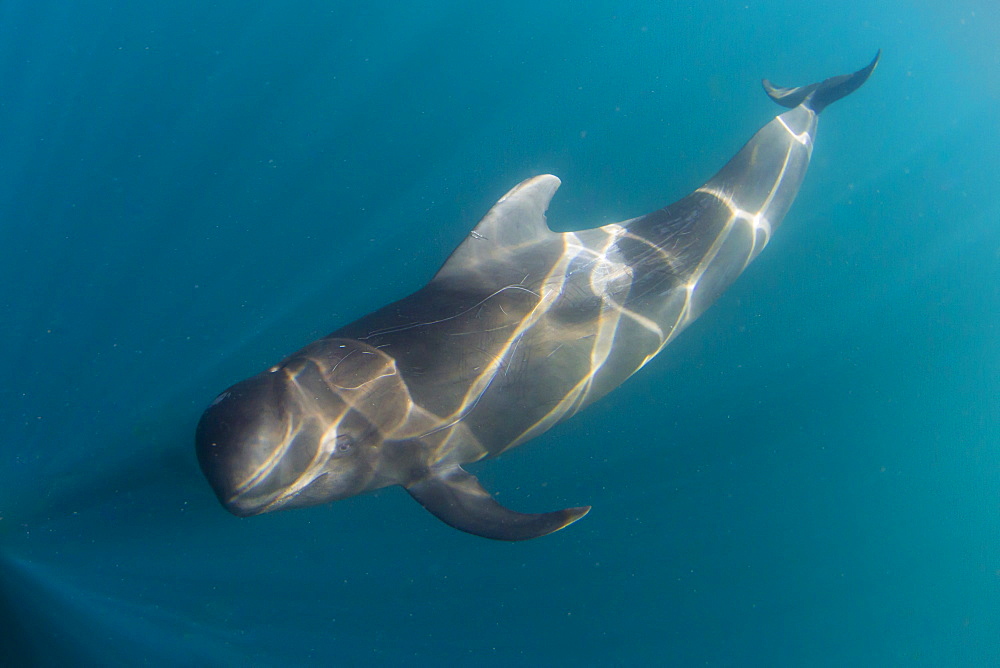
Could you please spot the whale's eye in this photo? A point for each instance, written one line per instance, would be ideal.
(343, 444)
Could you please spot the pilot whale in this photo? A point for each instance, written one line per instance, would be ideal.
(521, 328)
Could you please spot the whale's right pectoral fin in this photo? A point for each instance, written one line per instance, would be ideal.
(456, 498)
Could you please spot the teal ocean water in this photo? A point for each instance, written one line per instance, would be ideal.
(190, 191)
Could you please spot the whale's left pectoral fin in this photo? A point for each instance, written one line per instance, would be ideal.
(456, 498)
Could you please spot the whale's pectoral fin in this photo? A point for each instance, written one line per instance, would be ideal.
(456, 498)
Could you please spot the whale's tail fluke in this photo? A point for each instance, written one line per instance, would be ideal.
(818, 96)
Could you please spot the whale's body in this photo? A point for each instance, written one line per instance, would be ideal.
(520, 329)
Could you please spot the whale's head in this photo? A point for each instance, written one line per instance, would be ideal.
(305, 432)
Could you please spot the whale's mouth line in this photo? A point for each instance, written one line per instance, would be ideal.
(278, 499)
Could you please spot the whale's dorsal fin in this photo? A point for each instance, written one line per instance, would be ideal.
(515, 222)
(456, 498)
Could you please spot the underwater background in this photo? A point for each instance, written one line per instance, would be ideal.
(189, 191)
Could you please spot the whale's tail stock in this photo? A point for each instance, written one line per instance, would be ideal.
(820, 95)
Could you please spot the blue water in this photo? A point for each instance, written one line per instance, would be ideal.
(189, 191)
